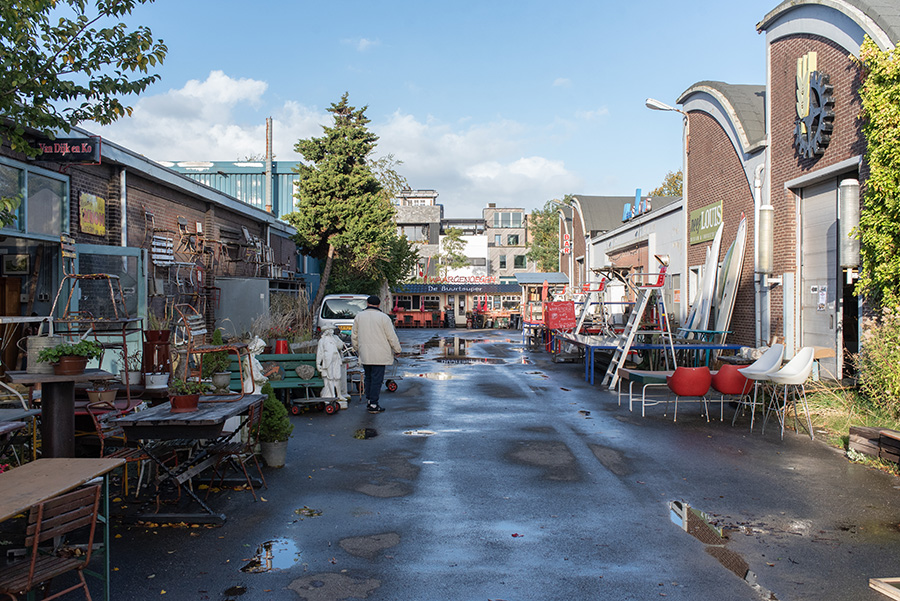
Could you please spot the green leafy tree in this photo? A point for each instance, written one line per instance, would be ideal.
(878, 230)
(341, 210)
(452, 254)
(672, 185)
(68, 61)
(392, 269)
(543, 250)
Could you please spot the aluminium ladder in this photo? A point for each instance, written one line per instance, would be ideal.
(631, 328)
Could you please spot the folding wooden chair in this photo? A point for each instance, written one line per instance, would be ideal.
(113, 443)
(48, 520)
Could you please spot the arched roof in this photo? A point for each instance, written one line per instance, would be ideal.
(879, 19)
(744, 105)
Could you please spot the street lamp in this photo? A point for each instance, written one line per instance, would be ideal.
(656, 105)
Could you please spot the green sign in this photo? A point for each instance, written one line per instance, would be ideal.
(704, 222)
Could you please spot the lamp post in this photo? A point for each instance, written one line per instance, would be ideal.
(656, 105)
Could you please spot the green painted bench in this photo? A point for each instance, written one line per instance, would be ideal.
(291, 381)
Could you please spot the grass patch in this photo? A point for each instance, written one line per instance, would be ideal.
(834, 407)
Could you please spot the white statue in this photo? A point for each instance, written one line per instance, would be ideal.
(252, 368)
(330, 364)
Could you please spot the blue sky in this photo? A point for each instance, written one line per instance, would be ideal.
(487, 101)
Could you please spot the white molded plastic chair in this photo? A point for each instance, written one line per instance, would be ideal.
(759, 371)
(792, 376)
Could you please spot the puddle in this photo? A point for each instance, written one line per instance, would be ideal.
(700, 525)
(419, 433)
(306, 512)
(279, 554)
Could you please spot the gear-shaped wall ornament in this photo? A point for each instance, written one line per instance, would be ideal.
(813, 132)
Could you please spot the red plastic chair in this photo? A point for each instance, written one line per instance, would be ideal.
(690, 382)
(729, 381)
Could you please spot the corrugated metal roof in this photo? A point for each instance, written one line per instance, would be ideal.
(539, 278)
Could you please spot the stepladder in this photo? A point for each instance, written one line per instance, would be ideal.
(625, 341)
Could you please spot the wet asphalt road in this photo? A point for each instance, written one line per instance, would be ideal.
(499, 475)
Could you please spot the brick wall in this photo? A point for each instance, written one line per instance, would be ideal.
(715, 173)
(846, 141)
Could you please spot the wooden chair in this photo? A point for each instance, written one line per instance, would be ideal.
(113, 442)
(46, 521)
(239, 453)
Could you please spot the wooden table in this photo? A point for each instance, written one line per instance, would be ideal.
(58, 407)
(206, 424)
(43, 479)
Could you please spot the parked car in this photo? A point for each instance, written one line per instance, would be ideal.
(338, 311)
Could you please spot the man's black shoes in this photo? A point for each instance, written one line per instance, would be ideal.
(375, 408)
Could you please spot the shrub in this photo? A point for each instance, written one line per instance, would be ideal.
(275, 424)
(216, 361)
(879, 378)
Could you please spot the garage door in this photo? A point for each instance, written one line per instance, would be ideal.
(819, 325)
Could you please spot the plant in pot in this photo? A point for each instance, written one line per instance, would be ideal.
(130, 373)
(216, 364)
(274, 429)
(184, 395)
(100, 391)
(158, 328)
(70, 358)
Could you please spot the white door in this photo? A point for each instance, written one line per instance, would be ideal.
(819, 291)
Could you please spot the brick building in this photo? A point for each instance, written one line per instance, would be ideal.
(792, 150)
(169, 238)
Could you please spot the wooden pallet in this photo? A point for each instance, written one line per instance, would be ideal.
(876, 442)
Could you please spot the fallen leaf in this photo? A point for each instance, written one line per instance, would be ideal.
(263, 499)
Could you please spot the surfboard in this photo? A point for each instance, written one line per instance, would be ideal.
(707, 288)
(731, 277)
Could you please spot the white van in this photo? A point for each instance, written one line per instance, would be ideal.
(338, 311)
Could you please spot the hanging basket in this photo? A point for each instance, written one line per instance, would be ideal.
(70, 365)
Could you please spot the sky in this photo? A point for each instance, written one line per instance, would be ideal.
(486, 101)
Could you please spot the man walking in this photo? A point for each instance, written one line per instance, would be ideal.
(375, 341)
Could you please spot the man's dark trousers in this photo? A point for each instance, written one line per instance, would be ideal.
(373, 379)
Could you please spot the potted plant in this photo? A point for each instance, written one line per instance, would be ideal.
(274, 429)
(70, 358)
(158, 328)
(184, 395)
(130, 373)
(216, 364)
(100, 391)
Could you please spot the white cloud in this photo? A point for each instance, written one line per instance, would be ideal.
(200, 122)
(562, 82)
(365, 44)
(592, 115)
(469, 163)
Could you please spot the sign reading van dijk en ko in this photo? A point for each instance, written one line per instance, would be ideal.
(70, 150)
(704, 222)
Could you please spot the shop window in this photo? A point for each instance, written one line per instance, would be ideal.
(512, 240)
(511, 303)
(502, 261)
(519, 262)
(45, 194)
(404, 302)
(431, 303)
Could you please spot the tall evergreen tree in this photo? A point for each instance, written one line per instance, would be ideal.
(341, 210)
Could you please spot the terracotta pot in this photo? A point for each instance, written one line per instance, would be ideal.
(184, 403)
(70, 365)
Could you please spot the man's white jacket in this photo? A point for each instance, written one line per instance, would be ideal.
(373, 338)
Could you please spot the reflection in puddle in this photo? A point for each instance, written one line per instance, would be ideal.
(279, 554)
(436, 375)
(469, 360)
(699, 525)
(419, 433)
